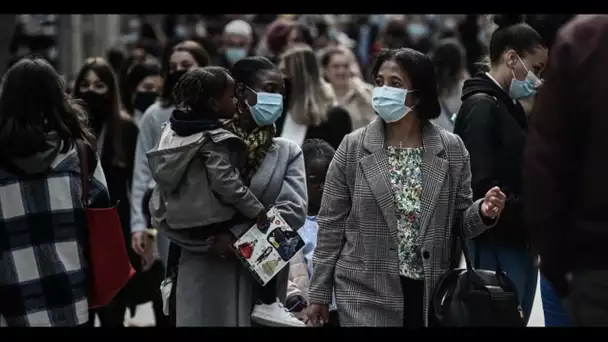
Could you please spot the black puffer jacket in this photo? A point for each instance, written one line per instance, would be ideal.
(493, 128)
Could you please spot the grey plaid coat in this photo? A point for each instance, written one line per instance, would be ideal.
(357, 241)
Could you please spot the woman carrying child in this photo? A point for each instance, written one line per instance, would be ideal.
(213, 287)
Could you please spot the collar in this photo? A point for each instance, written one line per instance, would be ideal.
(495, 81)
(375, 139)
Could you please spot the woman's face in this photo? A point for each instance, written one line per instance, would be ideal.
(139, 55)
(151, 83)
(182, 61)
(269, 81)
(535, 62)
(338, 69)
(391, 74)
(146, 92)
(91, 82)
(294, 37)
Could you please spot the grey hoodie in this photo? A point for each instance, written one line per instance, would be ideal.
(197, 183)
(41, 161)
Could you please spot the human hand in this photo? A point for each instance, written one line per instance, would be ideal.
(318, 314)
(295, 303)
(221, 245)
(493, 203)
(139, 241)
(262, 218)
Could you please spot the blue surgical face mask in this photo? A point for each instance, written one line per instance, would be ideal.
(526, 88)
(389, 103)
(268, 108)
(417, 31)
(234, 54)
(180, 31)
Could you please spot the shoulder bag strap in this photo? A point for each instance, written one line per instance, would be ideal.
(81, 148)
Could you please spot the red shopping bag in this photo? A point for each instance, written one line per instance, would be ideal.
(108, 259)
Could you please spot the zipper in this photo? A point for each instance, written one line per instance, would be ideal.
(521, 311)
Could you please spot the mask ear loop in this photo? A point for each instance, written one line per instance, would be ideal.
(238, 106)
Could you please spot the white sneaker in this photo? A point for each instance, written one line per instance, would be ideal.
(275, 315)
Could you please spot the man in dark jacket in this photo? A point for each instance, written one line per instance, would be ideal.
(565, 170)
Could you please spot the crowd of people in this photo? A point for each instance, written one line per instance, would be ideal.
(379, 138)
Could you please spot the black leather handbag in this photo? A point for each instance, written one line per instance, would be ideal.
(475, 298)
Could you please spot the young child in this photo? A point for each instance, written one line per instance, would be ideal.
(317, 157)
(197, 166)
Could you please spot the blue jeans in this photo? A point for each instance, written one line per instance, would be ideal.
(555, 314)
(518, 264)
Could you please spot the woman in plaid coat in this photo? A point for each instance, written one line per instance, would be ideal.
(44, 275)
(391, 196)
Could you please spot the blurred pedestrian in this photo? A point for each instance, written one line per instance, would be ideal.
(565, 171)
(375, 216)
(274, 41)
(177, 61)
(419, 32)
(352, 93)
(237, 42)
(116, 58)
(40, 126)
(299, 33)
(142, 86)
(493, 125)
(311, 110)
(449, 58)
(318, 154)
(115, 134)
(470, 35)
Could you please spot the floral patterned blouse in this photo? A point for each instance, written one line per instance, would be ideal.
(405, 174)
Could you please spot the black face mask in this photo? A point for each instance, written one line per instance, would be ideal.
(98, 107)
(170, 82)
(144, 99)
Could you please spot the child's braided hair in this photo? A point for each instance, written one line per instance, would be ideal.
(196, 87)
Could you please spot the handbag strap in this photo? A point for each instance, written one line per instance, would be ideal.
(458, 234)
(81, 148)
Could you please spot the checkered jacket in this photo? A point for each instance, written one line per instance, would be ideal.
(43, 269)
(357, 241)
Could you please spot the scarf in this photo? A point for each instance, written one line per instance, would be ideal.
(258, 142)
(188, 123)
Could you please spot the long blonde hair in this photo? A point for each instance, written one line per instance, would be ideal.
(310, 97)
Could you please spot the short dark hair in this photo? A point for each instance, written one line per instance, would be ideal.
(246, 70)
(513, 33)
(317, 149)
(449, 59)
(421, 72)
(198, 86)
(32, 104)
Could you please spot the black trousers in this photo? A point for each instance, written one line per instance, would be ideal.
(268, 293)
(413, 303)
(334, 320)
(587, 302)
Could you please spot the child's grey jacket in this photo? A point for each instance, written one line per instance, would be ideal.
(197, 180)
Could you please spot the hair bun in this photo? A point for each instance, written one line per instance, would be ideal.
(506, 20)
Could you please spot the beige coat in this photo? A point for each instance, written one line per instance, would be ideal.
(298, 281)
(358, 103)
